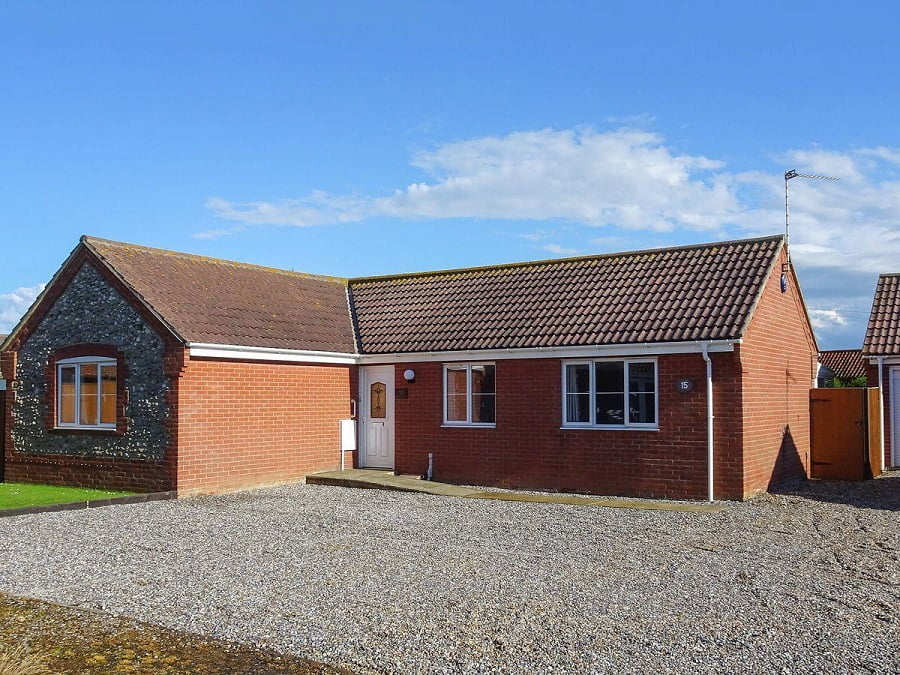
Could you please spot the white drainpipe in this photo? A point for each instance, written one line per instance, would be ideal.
(881, 407)
(704, 346)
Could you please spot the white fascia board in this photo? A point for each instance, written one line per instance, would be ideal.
(239, 352)
(597, 351)
(892, 360)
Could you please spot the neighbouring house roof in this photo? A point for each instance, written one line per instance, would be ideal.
(845, 364)
(206, 300)
(705, 292)
(883, 331)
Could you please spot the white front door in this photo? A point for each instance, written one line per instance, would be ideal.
(376, 385)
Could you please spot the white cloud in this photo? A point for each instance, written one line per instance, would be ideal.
(826, 318)
(626, 178)
(556, 249)
(13, 305)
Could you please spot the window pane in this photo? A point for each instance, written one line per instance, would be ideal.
(578, 407)
(89, 394)
(483, 407)
(483, 379)
(609, 408)
(67, 395)
(108, 395)
(642, 392)
(456, 395)
(483, 397)
(578, 378)
(610, 376)
(578, 393)
(642, 408)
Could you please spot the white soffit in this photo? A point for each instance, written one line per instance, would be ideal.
(241, 353)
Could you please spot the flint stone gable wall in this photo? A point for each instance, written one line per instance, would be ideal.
(90, 311)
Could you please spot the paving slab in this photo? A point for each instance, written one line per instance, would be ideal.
(386, 480)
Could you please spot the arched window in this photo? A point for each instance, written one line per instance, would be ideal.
(86, 389)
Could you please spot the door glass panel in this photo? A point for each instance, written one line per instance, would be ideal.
(378, 400)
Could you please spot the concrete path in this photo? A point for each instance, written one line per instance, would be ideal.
(386, 480)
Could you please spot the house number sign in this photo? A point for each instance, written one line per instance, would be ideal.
(685, 384)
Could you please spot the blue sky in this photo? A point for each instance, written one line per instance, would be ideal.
(369, 138)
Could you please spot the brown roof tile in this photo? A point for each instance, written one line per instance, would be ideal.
(222, 302)
(844, 363)
(883, 331)
(705, 292)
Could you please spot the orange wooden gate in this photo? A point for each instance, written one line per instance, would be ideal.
(845, 433)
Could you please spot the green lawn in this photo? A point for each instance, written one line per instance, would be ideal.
(18, 495)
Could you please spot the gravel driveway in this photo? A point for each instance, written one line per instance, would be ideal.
(382, 581)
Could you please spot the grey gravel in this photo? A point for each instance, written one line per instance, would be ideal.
(379, 581)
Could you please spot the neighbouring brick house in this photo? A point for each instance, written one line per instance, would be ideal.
(881, 348)
(844, 365)
(154, 370)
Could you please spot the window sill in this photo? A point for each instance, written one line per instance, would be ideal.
(607, 428)
(464, 425)
(84, 430)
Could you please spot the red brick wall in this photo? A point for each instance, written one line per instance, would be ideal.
(778, 356)
(242, 424)
(527, 449)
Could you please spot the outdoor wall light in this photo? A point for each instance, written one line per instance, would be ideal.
(409, 375)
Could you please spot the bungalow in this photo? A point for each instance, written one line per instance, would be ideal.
(841, 367)
(882, 349)
(680, 372)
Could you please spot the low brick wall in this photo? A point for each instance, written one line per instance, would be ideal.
(53, 469)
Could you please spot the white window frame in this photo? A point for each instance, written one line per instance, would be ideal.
(77, 362)
(592, 423)
(468, 421)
